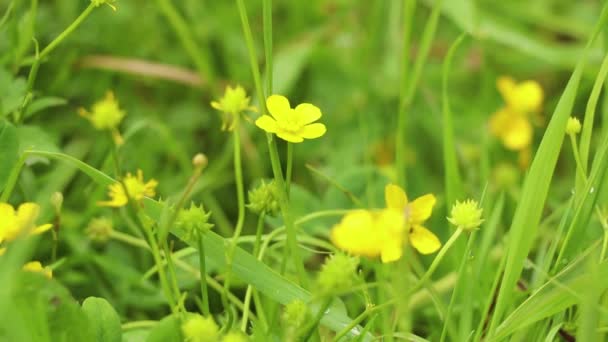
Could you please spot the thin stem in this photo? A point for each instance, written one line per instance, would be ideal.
(289, 167)
(309, 330)
(267, 24)
(368, 311)
(256, 248)
(437, 260)
(128, 239)
(203, 271)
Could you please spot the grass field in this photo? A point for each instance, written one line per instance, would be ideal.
(324, 170)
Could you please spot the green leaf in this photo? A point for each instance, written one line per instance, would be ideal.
(289, 63)
(9, 147)
(42, 104)
(103, 319)
(35, 138)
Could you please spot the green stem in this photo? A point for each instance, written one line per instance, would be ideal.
(368, 311)
(128, 239)
(437, 260)
(289, 167)
(267, 24)
(256, 248)
(309, 330)
(187, 40)
(409, 8)
(291, 249)
(203, 271)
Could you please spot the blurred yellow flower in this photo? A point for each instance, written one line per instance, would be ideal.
(105, 115)
(136, 187)
(512, 123)
(383, 232)
(23, 220)
(36, 267)
(234, 101)
(291, 124)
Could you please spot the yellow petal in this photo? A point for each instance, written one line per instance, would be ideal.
(517, 134)
(500, 120)
(424, 240)
(6, 210)
(313, 131)
(266, 123)
(27, 214)
(41, 229)
(395, 197)
(307, 113)
(421, 208)
(391, 251)
(356, 234)
(505, 85)
(288, 136)
(527, 97)
(216, 105)
(278, 106)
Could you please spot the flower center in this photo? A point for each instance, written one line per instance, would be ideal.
(290, 124)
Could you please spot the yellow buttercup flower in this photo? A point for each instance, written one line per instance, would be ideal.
(21, 221)
(415, 214)
(512, 123)
(36, 267)
(291, 124)
(105, 115)
(234, 101)
(136, 187)
(384, 232)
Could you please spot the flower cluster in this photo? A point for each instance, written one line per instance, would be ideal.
(383, 233)
(512, 124)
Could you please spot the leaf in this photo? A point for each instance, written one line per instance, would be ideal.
(42, 104)
(289, 63)
(103, 319)
(9, 147)
(35, 138)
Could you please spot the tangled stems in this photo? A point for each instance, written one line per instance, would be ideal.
(291, 250)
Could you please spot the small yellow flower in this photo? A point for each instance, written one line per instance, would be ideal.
(234, 101)
(197, 328)
(291, 124)
(36, 267)
(105, 115)
(512, 123)
(466, 215)
(383, 232)
(136, 187)
(16, 222)
(573, 127)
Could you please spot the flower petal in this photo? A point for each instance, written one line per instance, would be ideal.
(424, 240)
(527, 97)
(355, 234)
(27, 214)
(505, 85)
(6, 210)
(391, 251)
(421, 208)
(278, 106)
(266, 123)
(288, 136)
(41, 229)
(307, 113)
(517, 134)
(313, 131)
(395, 197)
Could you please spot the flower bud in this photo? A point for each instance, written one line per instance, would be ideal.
(57, 201)
(466, 215)
(197, 328)
(193, 221)
(264, 198)
(199, 161)
(573, 126)
(337, 274)
(100, 229)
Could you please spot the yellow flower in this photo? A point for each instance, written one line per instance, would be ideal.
(234, 101)
(36, 267)
(23, 220)
(291, 124)
(415, 214)
(573, 127)
(512, 124)
(466, 215)
(383, 232)
(525, 97)
(136, 189)
(105, 115)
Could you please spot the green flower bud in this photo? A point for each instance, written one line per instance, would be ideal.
(264, 198)
(197, 328)
(100, 229)
(296, 314)
(193, 221)
(573, 127)
(466, 215)
(337, 274)
(57, 201)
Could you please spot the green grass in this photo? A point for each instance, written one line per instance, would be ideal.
(407, 90)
